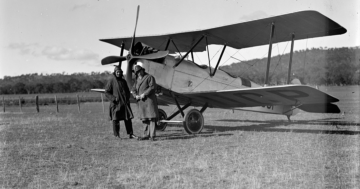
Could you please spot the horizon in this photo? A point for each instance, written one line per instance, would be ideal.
(111, 71)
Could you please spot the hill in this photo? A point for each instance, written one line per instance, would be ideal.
(317, 66)
(52, 83)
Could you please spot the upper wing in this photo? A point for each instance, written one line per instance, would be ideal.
(305, 24)
(293, 95)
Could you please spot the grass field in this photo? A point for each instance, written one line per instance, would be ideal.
(235, 150)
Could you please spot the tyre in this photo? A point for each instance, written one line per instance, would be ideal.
(159, 125)
(194, 122)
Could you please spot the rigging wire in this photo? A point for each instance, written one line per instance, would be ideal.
(281, 55)
(161, 44)
(231, 57)
(249, 64)
(242, 55)
(305, 58)
(254, 36)
(265, 27)
(198, 58)
(215, 54)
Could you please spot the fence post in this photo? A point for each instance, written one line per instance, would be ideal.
(20, 104)
(4, 103)
(102, 102)
(37, 103)
(78, 102)
(57, 106)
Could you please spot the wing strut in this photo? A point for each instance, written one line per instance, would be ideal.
(167, 44)
(269, 54)
(188, 51)
(204, 107)
(208, 51)
(178, 105)
(192, 55)
(179, 111)
(222, 52)
(291, 55)
(177, 49)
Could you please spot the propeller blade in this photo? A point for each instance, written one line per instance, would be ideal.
(112, 59)
(157, 55)
(133, 39)
(121, 52)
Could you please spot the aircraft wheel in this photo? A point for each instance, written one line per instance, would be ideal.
(194, 122)
(159, 125)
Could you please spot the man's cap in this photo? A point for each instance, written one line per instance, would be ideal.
(138, 68)
(117, 68)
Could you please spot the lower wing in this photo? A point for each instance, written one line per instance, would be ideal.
(132, 100)
(301, 96)
(98, 90)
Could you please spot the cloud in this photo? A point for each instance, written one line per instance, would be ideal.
(24, 49)
(254, 16)
(54, 52)
(82, 6)
(60, 53)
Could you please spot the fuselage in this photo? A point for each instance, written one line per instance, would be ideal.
(190, 77)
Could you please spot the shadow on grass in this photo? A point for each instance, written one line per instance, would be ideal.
(269, 126)
(178, 132)
(176, 136)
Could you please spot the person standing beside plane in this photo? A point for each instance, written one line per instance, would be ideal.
(118, 93)
(144, 92)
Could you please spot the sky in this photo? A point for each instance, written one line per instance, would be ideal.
(62, 36)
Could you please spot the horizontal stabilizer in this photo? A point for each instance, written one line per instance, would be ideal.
(98, 90)
(320, 108)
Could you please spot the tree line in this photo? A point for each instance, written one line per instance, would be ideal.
(316, 66)
(53, 83)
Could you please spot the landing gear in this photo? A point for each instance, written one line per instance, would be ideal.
(161, 125)
(194, 122)
(288, 116)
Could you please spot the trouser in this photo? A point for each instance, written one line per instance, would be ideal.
(149, 128)
(128, 126)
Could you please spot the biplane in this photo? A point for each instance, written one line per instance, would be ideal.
(184, 83)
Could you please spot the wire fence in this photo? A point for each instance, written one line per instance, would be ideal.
(39, 100)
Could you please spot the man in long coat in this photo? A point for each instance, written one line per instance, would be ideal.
(118, 93)
(144, 92)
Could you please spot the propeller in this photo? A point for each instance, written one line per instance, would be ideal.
(131, 56)
(133, 39)
(152, 56)
(121, 53)
(112, 59)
